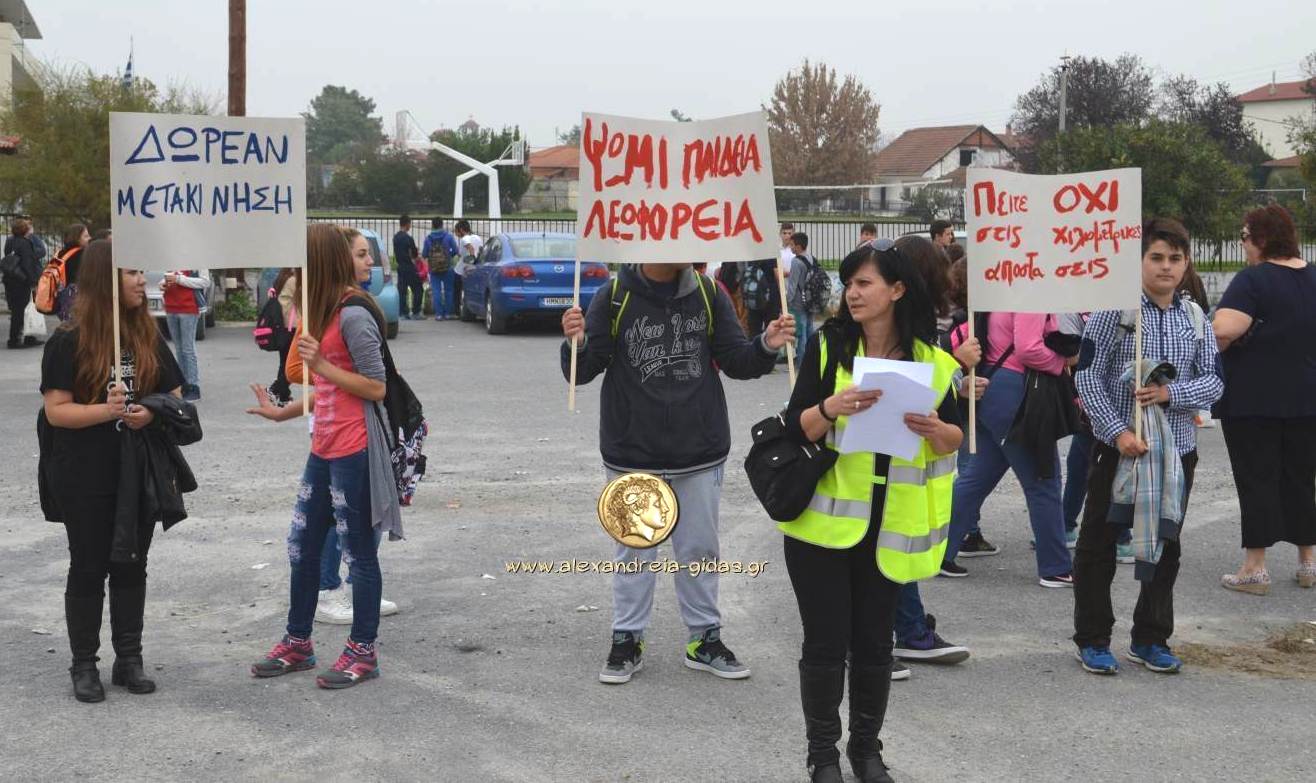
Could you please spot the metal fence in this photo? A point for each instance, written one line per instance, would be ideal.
(829, 240)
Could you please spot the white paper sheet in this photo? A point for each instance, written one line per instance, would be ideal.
(918, 372)
(881, 429)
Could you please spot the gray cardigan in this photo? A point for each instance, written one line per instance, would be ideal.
(365, 344)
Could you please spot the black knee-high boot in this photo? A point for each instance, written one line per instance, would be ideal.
(821, 688)
(869, 688)
(82, 614)
(127, 606)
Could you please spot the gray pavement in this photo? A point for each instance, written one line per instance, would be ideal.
(495, 679)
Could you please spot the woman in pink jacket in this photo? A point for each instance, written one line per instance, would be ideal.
(1013, 345)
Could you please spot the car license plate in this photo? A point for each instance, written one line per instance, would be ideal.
(556, 301)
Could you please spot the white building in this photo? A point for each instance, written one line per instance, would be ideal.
(1271, 110)
(17, 65)
(927, 155)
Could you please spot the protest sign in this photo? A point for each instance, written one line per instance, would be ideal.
(676, 192)
(1057, 243)
(205, 192)
(1054, 243)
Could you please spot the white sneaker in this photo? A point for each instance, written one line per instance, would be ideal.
(334, 607)
(387, 607)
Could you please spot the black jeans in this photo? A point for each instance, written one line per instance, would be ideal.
(1274, 465)
(1094, 564)
(759, 319)
(17, 295)
(281, 388)
(89, 524)
(409, 281)
(846, 604)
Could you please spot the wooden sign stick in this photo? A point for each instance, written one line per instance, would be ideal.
(790, 347)
(306, 371)
(1137, 373)
(117, 279)
(575, 302)
(973, 397)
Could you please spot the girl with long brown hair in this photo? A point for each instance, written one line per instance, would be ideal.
(85, 410)
(348, 482)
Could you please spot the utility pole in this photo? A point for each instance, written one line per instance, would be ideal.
(237, 58)
(1064, 95)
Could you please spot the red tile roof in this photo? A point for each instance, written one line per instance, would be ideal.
(1283, 163)
(1281, 91)
(564, 158)
(9, 144)
(917, 150)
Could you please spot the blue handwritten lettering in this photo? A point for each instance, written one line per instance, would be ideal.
(152, 138)
(125, 199)
(174, 141)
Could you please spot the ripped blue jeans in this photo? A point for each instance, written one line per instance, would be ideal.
(335, 493)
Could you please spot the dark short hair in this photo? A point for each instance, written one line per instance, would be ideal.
(868, 228)
(787, 226)
(955, 252)
(938, 227)
(436, 223)
(463, 225)
(930, 260)
(73, 233)
(405, 220)
(1167, 230)
(800, 238)
(1273, 231)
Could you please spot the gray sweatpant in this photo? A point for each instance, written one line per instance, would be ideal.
(693, 540)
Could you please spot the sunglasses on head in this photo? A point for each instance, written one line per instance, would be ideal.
(882, 244)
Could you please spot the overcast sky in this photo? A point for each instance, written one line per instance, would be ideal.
(931, 62)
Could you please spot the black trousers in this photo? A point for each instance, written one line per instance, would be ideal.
(1274, 465)
(281, 388)
(89, 524)
(409, 281)
(1094, 564)
(759, 319)
(846, 605)
(17, 295)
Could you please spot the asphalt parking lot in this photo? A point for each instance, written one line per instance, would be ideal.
(489, 675)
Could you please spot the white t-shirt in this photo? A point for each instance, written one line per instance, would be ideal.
(472, 243)
(787, 258)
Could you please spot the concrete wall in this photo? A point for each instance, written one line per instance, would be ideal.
(1271, 119)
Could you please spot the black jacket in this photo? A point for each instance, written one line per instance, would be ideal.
(1046, 415)
(29, 263)
(153, 474)
(662, 406)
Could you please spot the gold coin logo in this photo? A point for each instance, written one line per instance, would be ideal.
(638, 510)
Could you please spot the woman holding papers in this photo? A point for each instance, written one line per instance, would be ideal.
(876, 521)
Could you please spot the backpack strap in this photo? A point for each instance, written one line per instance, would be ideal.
(616, 308)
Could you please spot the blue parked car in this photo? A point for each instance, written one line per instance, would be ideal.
(525, 275)
(382, 286)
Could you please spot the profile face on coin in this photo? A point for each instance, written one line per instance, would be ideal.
(638, 510)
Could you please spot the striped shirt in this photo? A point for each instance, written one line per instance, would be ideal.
(1168, 336)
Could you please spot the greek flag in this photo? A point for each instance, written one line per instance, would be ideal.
(128, 72)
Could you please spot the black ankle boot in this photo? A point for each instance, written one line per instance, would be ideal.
(821, 687)
(82, 614)
(127, 605)
(869, 688)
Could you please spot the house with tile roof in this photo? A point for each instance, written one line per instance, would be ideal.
(554, 179)
(1272, 108)
(940, 155)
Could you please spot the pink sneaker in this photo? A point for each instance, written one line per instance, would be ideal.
(289, 655)
(358, 663)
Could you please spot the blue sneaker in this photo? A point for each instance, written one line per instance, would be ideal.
(1098, 660)
(1156, 657)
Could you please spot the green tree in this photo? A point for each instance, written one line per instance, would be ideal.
(571, 137)
(1184, 174)
(1099, 93)
(390, 180)
(823, 129)
(339, 126)
(933, 203)
(63, 165)
(1215, 109)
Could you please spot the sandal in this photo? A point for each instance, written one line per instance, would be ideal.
(1257, 583)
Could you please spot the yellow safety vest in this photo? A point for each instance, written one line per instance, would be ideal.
(916, 514)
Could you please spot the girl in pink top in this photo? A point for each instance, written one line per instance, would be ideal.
(1013, 345)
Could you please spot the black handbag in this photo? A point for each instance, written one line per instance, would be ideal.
(782, 472)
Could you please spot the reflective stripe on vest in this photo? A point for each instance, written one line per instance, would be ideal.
(916, 511)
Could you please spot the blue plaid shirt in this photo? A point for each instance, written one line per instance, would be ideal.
(1167, 336)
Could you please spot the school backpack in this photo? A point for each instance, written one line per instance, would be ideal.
(816, 290)
(440, 260)
(403, 419)
(53, 279)
(620, 297)
(271, 333)
(755, 289)
(1128, 322)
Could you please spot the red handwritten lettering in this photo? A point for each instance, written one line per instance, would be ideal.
(1078, 238)
(1008, 271)
(1105, 198)
(1005, 234)
(1002, 203)
(722, 157)
(635, 151)
(1096, 268)
(709, 220)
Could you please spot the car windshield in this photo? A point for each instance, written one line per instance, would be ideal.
(544, 247)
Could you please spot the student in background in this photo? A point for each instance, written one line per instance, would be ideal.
(76, 240)
(801, 264)
(20, 281)
(441, 254)
(411, 290)
(943, 233)
(182, 301)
